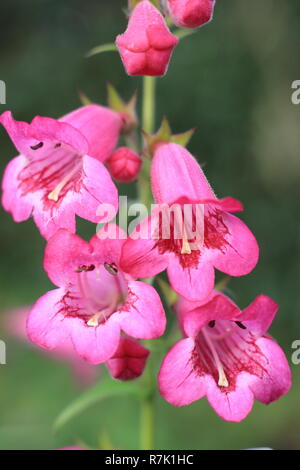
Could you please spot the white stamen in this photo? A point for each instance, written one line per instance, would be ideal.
(222, 382)
(94, 321)
(186, 249)
(54, 195)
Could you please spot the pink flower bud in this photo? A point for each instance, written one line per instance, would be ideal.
(124, 165)
(191, 13)
(147, 44)
(129, 361)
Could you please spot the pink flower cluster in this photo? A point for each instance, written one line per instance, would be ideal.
(59, 174)
(99, 307)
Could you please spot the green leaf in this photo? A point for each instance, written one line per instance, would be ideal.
(111, 47)
(105, 389)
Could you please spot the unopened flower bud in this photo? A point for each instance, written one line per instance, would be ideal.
(190, 13)
(129, 361)
(124, 165)
(147, 44)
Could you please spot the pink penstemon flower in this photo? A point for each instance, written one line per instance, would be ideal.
(190, 13)
(147, 44)
(59, 172)
(95, 299)
(224, 242)
(226, 355)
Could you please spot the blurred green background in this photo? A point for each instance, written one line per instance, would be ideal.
(233, 81)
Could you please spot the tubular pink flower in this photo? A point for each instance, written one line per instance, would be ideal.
(221, 240)
(147, 44)
(95, 300)
(190, 13)
(226, 356)
(129, 360)
(59, 172)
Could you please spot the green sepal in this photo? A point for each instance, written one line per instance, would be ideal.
(183, 138)
(84, 99)
(164, 134)
(133, 3)
(128, 110)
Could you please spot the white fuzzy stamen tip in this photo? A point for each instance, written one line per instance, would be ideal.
(223, 382)
(53, 196)
(186, 249)
(93, 321)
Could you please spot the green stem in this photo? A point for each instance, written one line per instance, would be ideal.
(148, 122)
(148, 125)
(147, 424)
(145, 194)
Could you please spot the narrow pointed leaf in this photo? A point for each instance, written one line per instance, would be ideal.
(105, 389)
(111, 47)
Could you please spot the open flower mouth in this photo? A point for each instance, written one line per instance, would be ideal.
(223, 350)
(98, 293)
(54, 169)
(187, 229)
